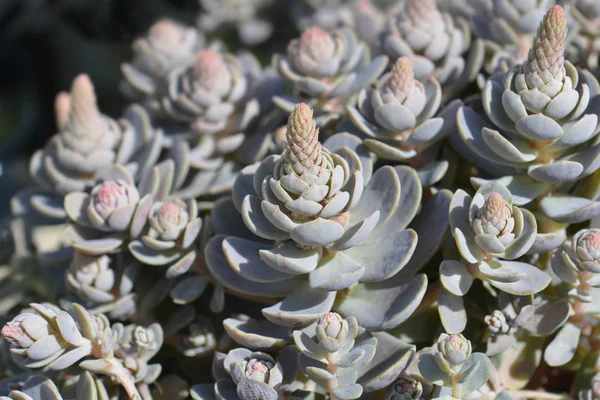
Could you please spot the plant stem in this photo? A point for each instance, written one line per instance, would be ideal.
(534, 394)
(331, 368)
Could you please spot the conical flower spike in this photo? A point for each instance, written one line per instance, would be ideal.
(302, 149)
(84, 116)
(546, 57)
(402, 79)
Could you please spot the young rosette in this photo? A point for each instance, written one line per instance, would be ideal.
(87, 142)
(208, 93)
(135, 346)
(508, 28)
(543, 122)
(173, 227)
(452, 368)
(328, 64)
(519, 316)
(200, 338)
(168, 44)
(489, 225)
(431, 39)
(488, 230)
(577, 264)
(103, 220)
(334, 356)
(398, 115)
(47, 337)
(310, 227)
(246, 375)
(98, 281)
(406, 387)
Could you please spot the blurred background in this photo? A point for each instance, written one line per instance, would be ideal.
(44, 44)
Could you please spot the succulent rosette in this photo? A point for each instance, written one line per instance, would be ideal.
(88, 142)
(135, 346)
(577, 264)
(96, 281)
(332, 349)
(406, 387)
(327, 65)
(47, 337)
(345, 360)
(246, 375)
(112, 213)
(200, 339)
(207, 92)
(398, 116)
(167, 45)
(243, 16)
(324, 223)
(432, 40)
(39, 387)
(508, 28)
(544, 124)
(207, 106)
(489, 231)
(453, 369)
(584, 47)
(520, 316)
(489, 225)
(173, 228)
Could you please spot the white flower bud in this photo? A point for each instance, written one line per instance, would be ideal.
(332, 325)
(453, 350)
(497, 322)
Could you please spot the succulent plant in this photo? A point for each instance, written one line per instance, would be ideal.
(325, 223)
(243, 16)
(452, 367)
(544, 123)
(88, 142)
(200, 340)
(173, 227)
(488, 230)
(406, 387)
(508, 28)
(327, 66)
(585, 44)
(249, 211)
(575, 263)
(47, 337)
(207, 106)
(518, 316)
(574, 266)
(39, 387)
(110, 214)
(97, 282)
(245, 375)
(207, 92)
(167, 45)
(333, 358)
(432, 40)
(135, 346)
(398, 115)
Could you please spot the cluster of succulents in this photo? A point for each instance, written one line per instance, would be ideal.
(400, 202)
